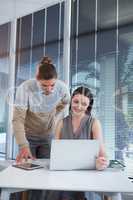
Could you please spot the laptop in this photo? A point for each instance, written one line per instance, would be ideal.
(73, 154)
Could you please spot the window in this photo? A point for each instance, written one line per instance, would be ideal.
(4, 83)
(101, 58)
(54, 36)
(39, 34)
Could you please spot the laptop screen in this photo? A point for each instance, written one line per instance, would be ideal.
(73, 154)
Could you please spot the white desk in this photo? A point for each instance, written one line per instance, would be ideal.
(13, 179)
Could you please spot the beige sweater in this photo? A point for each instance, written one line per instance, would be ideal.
(26, 122)
(32, 115)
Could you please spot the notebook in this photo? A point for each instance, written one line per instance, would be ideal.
(73, 154)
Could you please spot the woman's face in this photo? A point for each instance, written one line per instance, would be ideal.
(79, 104)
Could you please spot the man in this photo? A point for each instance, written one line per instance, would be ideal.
(38, 105)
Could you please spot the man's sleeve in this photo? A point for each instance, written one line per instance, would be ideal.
(62, 108)
(19, 114)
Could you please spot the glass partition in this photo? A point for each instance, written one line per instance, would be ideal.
(4, 84)
(101, 59)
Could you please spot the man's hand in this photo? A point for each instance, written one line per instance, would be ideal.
(101, 163)
(24, 154)
(60, 107)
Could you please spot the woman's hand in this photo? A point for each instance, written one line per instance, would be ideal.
(101, 163)
(24, 154)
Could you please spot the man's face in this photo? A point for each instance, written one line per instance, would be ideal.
(47, 85)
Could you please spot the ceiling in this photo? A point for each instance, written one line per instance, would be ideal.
(12, 9)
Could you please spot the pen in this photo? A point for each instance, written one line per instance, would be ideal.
(130, 177)
(121, 164)
(118, 162)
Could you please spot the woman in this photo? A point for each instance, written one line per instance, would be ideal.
(80, 124)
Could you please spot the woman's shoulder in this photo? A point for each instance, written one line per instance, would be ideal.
(93, 118)
(94, 122)
(96, 127)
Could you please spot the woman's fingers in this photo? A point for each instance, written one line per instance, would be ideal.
(101, 163)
